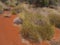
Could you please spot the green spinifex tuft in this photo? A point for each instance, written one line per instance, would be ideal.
(36, 27)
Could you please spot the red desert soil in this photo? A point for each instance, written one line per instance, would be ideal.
(9, 34)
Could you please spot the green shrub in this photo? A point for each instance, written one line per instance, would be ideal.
(36, 27)
(43, 3)
(10, 3)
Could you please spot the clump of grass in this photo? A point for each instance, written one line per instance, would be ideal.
(13, 12)
(36, 27)
(54, 16)
(55, 19)
(1, 9)
(17, 9)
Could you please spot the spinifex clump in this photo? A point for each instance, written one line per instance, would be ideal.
(36, 27)
(55, 18)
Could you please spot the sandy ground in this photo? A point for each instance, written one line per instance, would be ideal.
(9, 34)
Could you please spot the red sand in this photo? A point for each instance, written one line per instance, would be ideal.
(9, 34)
